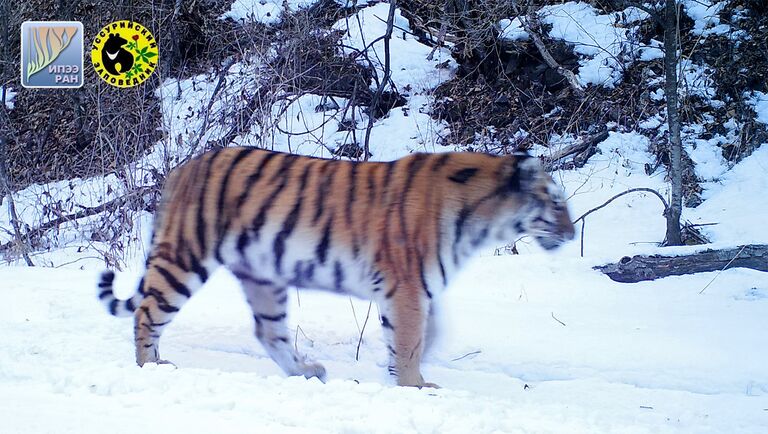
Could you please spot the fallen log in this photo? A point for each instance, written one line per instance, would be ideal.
(581, 152)
(639, 267)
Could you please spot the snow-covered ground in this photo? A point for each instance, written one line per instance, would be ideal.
(534, 342)
(530, 343)
(650, 357)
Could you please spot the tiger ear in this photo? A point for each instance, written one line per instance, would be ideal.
(522, 171)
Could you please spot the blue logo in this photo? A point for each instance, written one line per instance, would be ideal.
(52, 54)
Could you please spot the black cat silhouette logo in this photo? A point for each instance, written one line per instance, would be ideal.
(124, 53)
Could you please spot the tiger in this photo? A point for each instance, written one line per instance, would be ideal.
(395, 232)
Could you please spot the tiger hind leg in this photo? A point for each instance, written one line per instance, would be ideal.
(166, 287)
(268, 303)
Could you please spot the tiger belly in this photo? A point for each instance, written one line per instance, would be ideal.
(335, 271)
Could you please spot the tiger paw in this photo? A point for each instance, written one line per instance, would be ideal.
(314, 370)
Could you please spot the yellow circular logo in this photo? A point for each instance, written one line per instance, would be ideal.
(124, 53)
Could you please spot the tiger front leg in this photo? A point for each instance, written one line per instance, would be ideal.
(405, 320)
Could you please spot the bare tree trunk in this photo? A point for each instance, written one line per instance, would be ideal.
(673, 121)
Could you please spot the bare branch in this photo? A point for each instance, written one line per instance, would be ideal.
(383, 82)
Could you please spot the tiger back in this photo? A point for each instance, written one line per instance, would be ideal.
(395, 232)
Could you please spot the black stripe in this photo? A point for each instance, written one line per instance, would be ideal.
(385, 323)
(284, 174)
(415, 165)
(519, 227)
(463, 175)
(464, 214)
(442, 268)
(352, 191)
(321, 251)
(175, 284)
(242, 241)
(513, 182)
(224, 212)
(153, 292)
(440, 161)
(198, 268)
(290, 222)
(439, 252)
(141, 287)
(387, 179)
(371, 187)
(104, 294)
(107, 278)
(181, 244)
(113, 307)
(480, 237)
(461, 219)
(149, 317)
(167, 308)
(201, 224)
(424, 279)
(338, 276)
(250, 278)
(273, 318)
(303, 272)
(231, 169)
(129, 305)
(254, 178)
(391, 292)
(323, 190)
(158, 324)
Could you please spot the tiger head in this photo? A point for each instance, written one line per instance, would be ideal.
(525, 200)
(544, 214)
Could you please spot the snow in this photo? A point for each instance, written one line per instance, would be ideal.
(596, 37)
(705, 15)
(759, 101)
(648, 357)
(9, 95)
(737, 203)
(706, 153)
(263, 11)
(410, 67)
(512, 30)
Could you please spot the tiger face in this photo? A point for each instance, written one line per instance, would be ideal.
(524, 200)
(546, 216)
(396, 232)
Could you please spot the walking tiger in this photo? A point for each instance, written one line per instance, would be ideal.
(395, 232)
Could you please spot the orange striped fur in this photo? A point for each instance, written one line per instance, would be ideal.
(396, 232)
